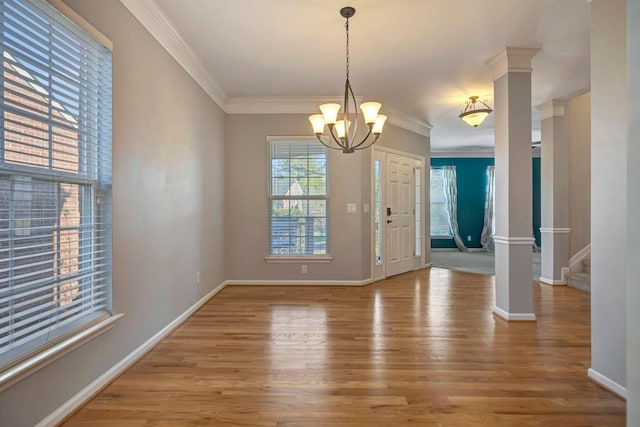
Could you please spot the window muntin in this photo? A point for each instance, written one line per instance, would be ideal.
(440, 222)
(55, 179)
(299, 199)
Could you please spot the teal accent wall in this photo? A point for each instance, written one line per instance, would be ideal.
(537, 209)
(472, 182)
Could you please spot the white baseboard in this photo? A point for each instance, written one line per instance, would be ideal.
(89, 391)
(574, 261)
(299, 282)
(514, 317)
(552, 282)
(607, 383)
(427, 265)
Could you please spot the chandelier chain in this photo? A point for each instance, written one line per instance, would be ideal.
(344, 132)
(346, 25)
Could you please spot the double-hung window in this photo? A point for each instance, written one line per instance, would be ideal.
(55, 180)
(298, 199)
(440, 221)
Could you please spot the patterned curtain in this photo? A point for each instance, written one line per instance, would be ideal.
(486, 238)
(451, 199)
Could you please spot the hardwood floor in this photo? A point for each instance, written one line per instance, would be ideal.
(421, 348)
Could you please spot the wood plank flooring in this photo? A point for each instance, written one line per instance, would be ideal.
(419, 349)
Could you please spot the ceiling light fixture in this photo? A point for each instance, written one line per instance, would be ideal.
(340, 130)
(472, 115)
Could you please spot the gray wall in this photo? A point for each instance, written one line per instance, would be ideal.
(167, 219)
(633, 268)
(609, 189)
(578, 113)
(246, 203)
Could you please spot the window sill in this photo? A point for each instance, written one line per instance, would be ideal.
(441, 237)
(40, 360)
(301, 259)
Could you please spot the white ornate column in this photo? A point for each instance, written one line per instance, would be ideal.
(554, 230)
(513, 193)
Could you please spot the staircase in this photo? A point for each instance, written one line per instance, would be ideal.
(581, 279)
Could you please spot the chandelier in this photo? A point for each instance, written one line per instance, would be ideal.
(340, 130)
(475, 116)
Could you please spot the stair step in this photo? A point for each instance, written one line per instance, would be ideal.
(580, 280)
(586, 265)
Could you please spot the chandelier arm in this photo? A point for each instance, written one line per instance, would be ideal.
(337, 140)
(355, 147)
(369, 145)
(348, 91)
(325, 144)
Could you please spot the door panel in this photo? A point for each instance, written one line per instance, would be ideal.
(400, 222)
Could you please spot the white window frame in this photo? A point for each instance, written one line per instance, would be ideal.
(417, 212)
(448, 236)
(287, 258)
(95, 202)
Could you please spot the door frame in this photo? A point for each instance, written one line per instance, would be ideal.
(379, 153)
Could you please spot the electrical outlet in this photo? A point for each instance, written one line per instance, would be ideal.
(197, 277)
(303, 268)
(468, 238)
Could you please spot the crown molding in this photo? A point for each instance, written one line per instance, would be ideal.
(309, 105)
(154, 20)
(512, 60)
(462, 153)
(407, 122)
(280, 104)
(553, 108)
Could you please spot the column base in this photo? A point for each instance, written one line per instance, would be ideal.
(555, 255)
(514, 285)
(514, 317)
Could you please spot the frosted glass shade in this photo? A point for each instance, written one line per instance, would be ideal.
(379, 124)
(370, 111)
(340, 129)
(330, 113)
(474, 119)
(317, 122)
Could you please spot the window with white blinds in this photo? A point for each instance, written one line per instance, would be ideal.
(298, 199)
(55, 179)
(440, 222)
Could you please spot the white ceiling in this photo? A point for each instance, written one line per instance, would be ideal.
(423, 58)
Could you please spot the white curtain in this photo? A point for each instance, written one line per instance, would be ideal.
(486, 238)
(451, 199)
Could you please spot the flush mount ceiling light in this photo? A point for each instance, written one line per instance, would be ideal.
(340, 130)
(473, 115)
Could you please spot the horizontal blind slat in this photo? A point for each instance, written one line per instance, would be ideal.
(55, 175)
(27, 333)
(45, 299)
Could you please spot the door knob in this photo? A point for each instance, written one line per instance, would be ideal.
(389, 221)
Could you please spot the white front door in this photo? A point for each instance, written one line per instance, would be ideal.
(398, 214)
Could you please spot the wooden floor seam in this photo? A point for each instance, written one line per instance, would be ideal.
(418, 349)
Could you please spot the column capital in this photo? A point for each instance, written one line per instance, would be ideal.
(512, 59)
(553, 108)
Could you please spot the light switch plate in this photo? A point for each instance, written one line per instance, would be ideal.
(352, 208)
(365, 208)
